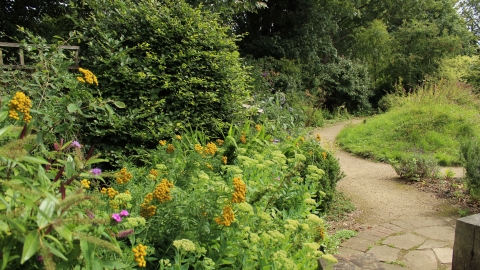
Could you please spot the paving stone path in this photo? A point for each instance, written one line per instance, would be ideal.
(407, 228)
(423, 244)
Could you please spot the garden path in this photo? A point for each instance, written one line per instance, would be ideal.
(381, 197)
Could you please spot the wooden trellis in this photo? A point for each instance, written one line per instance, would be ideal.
(22, 59)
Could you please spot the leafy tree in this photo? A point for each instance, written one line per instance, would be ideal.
(175, 67)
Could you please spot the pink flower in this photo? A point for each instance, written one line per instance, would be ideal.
(124, 213)
(96, 171)
(76, 144)
(117, 217)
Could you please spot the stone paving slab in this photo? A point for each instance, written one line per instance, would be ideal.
(368, 236)
(420, 244)
(385, 253)
(357, 244)
(405, 241)
(434, 244)
(444, 255)
(443, 233)
(421, 260)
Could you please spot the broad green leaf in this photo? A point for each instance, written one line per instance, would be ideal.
(30, 246)
(36, 160)
(15, 224)
(64, 232)
(113, 264)
(88, 251)
(4, 131)
(119, 104)
(3, 115)
(45, 212)
(95, 160)
(55, 251)
(72, 107)
(70, 167)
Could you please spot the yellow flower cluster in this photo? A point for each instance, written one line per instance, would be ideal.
(162, 142)
(211, 149)
(88, 77)
(110, 191)
(240, 190)
(258, 128)
(85, 183)
(153, 172)
(209, 165)
(123, 176)
(318, 138)
(220, 142)
(227, 217)
(224, 160)
(162, 191)
(243, 138)
(199, 149)
(324, 155)
(21, 103)
(302, 139)
(178, 137)
(170, 148)
(147, 210)
(140, 252)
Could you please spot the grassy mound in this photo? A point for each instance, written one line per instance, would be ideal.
(431, 122)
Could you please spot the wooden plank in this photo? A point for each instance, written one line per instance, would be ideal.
(22, 61)
(1, 58)
(466, 248)
(9, 44)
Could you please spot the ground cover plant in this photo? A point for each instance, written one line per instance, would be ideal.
(427, 124)
(248, 200)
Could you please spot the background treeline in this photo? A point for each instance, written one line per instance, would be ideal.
(193, 64)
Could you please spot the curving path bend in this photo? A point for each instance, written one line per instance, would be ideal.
(390, 208)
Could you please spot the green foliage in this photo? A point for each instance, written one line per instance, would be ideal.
(470, 152)
(173, 66)
(431, 121)
(42, 215)
(63, 105)
(416, 167)
(347, 83)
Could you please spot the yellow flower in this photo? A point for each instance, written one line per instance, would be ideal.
(220, 142)
(139, 252)
(153, 172)
(85, 183)
(243, 138)
(258, 128)
(162, 142)
(123, 176)
(170, 148)
(227, 217)
(199, 149)
(178, 137)
(162, 191)
(209, 166)
(302, 139)
(211, 149)
(318, 137)
(147, 210)
(324, 155)
(21, 103)
(88, 77)
(224, 160)
(240, 190)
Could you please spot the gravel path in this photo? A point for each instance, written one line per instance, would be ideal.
(376, 189)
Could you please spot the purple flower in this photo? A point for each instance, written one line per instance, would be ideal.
(40, 258)
(117, 217)
(124, 213)
(125, 233)
(265, 74)
(76, 144)
(90, 214)
(96, 171)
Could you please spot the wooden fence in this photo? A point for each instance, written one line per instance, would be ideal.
(21, 58)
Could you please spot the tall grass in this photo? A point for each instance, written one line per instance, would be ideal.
(430, 121)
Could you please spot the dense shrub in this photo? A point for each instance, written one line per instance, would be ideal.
(470, 152)
(416, 167)
(173, 66)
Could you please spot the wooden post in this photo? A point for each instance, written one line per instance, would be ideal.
(466, 248)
